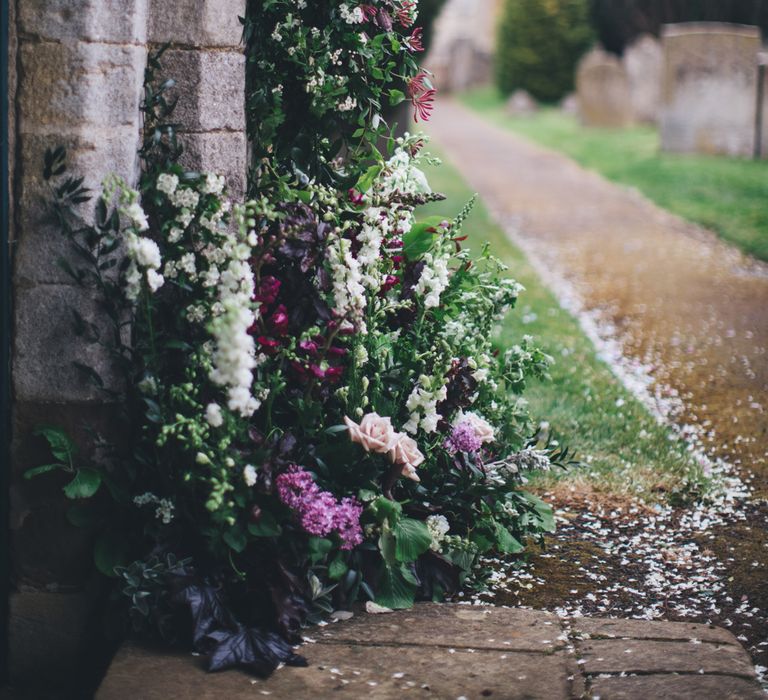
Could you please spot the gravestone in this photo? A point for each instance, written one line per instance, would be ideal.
(570, 104)
(643, 62)
(602, 88)
(709, 88)
(521, 104)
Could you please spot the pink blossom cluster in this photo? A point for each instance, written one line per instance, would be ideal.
(319, 512)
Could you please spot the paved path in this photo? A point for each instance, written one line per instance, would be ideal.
(454, 651)
(690, 307)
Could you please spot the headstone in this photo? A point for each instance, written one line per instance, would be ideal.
(643, 62)
(461, 55)
(709, 88)
(521, 104)
(602, 87)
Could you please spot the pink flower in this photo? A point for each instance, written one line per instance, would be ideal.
(405, 451)
(483, 430)
(423, 104)
(413, 42)
(374, 433)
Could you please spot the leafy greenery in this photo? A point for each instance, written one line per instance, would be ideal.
(538, 45)
(625, 454)
(726, 195)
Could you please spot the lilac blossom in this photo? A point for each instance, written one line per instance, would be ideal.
(319, 512)
(463, 438)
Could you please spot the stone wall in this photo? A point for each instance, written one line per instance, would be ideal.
(709, 88)
(80, 70)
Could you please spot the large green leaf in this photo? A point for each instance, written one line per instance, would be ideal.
(544, 512)
(337, 569)
(84, 485)
(266, 527)
(385, 509)
(236, 539)
(397, 588)
(412, 538)
(506, 542)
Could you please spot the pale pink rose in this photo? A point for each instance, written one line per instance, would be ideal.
(483, 429)
(374, 433)
(409, 472)
(406, 451)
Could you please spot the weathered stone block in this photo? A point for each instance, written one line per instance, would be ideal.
(94, 154)
(612, 628)
(92, 20)
(220, 152)
(45, 346)
(69, 85)
(210, 89)
(602, 87)
(452, 626)
(196, 23)
(709, 88)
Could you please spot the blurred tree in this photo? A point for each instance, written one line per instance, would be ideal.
(538, 45)
(428, 11)
(618, 22)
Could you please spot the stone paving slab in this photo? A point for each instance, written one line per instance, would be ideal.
(455, 651)
(597, 627)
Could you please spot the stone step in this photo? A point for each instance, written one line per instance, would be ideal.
(460, 651)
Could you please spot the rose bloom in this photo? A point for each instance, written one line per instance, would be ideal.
(374, 433)
(406, 452)
(483, 429)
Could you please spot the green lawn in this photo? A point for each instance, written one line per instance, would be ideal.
(727, 195)
(627, 454)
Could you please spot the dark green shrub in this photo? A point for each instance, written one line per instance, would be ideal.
(538, 45)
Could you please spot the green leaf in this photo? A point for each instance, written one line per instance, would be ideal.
(42, 469)
(421, 236)
(85, 484)
(543, 510)
(337, 569)
(61, 445)
(396, 589)
(83, 515)
(384, 509)
(236, 539)
(412, 539)
(367, 178)
(110, 551)
(396, 97)
(319, 548)
(266, 527)
(506, 542)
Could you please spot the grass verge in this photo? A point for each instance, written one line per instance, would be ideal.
(628, 456)
(727, 195)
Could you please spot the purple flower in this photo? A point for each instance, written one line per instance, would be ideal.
(319, 512)
(463, 439)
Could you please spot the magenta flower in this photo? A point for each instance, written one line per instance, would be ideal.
(463, 439)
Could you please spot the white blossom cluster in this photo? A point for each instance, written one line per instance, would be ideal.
(354, 16)
(234, 356)
(434, 279)
(164, 507)
(422, 403)
(348, 289)
(438, 527)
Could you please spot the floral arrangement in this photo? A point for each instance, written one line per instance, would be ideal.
(319, 413)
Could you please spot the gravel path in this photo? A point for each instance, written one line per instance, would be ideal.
(682, 318)
(687, 311)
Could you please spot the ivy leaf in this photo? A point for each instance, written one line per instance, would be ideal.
(412, 538)
(42, 469)
(257, 649)
(60, 443)
(85, 484)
